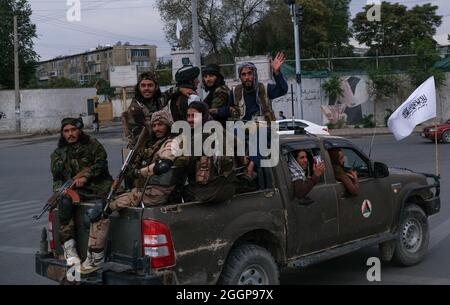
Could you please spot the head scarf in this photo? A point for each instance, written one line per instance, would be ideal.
(163, 116)
(213, 69)
(297, 172)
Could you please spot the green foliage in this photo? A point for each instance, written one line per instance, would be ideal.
(104, 88)
(341, 123)
(368, 121)
(421, 67)
(27, 32)
(383, 84)
(62, 82)
(398, 28)
(164, 77)
(230, 28)
(333, 88)
(387, 114)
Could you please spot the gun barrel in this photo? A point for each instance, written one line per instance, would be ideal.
(45, 209)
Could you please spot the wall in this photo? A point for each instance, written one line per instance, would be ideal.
(44, 109)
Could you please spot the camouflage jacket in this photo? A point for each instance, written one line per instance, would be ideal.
(139, 114)
(69, 159)
(218, 97)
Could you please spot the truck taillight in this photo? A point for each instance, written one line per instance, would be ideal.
(51, 218)
(157, 243)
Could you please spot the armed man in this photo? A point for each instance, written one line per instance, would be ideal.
(211, 178)
(250, 99)
(77, 153)
(187, 79)
(147, 100)
(218, 92)
(163, 174)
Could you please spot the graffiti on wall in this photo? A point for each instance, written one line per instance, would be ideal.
(2, 115)
(348, 107)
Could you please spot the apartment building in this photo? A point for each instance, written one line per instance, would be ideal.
(94, 64)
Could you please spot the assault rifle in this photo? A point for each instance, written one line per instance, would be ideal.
(64, 190)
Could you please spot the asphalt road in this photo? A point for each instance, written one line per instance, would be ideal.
(25, 184)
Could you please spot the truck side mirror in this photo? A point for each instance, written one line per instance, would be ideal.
(381, 170)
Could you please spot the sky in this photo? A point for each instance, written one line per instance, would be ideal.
(104, 22)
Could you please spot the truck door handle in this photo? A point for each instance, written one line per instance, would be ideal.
(305, 201)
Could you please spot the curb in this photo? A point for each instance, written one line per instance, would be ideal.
(50, 135)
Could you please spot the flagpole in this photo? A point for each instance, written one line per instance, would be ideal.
(436, 145)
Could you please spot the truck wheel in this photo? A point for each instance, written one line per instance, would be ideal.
(250, 265)
(413, 237)
(446, 137)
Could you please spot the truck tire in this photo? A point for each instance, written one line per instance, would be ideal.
(250, 265)
(413, 237)
(446, 137)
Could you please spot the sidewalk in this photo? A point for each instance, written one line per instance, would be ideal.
(366, 131)
(14, 136)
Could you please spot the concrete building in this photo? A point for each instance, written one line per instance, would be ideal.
(94, 64)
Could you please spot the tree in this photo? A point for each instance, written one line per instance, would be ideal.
(218, 20)
(213, 26)
(397, 29)
(382, 85)
(26, 33)
(333, 88)
(421, 66)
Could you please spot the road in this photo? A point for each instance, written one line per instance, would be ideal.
(25, 183)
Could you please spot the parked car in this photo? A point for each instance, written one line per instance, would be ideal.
(443, 132)
(289, 127)
(251, 237)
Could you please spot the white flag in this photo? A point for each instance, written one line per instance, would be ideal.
(179, 29)
(419, 107)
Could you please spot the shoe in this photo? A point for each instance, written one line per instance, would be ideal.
(93, 261)
(70, 253)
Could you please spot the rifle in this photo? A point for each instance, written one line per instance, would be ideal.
(130, 158)
(64, 190)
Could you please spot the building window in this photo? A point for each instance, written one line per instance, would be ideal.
(139, 52)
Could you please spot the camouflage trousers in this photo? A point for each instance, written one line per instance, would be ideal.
(153, 196)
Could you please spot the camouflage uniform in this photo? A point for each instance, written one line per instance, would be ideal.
(68, 160)
(157, 192)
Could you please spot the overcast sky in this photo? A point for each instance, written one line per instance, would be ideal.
(137, 21)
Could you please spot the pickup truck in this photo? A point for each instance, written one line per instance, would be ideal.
(251, 237)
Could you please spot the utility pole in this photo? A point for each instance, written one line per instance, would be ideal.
(196, 41)
(16, 76)
(297, 12)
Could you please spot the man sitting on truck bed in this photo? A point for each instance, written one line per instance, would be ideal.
(77, 151)
(164, 173)
(302, 179)
(210, 178)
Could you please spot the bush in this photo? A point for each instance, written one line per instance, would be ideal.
(368, 121)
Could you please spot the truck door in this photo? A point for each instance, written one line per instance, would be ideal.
(369, 212)
(313, 220)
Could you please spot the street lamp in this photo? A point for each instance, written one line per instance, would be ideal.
(297, 15)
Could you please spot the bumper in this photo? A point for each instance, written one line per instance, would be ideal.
(433, 206)
(56, 269)
(431, 135)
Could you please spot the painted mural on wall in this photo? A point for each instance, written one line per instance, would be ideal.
(348, 107)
